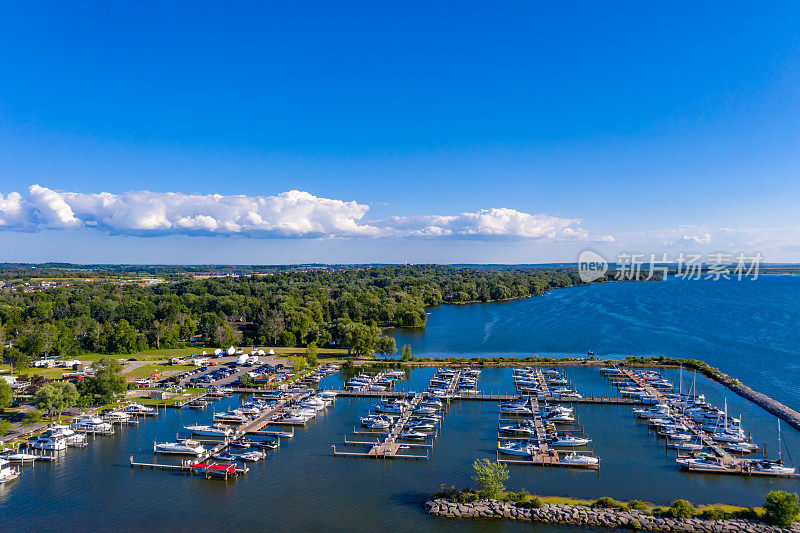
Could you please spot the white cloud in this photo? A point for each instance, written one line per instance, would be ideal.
(489, 223)
(289, 214)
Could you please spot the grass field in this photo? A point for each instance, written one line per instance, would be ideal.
(147, 370)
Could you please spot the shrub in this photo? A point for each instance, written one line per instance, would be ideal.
(746, 514)
(713, 513)
(489, 477)
(445, 492)
(781, 508)
(534, 503)
(517, 497)
(609, 503)
(467, 496)
(637, 504)
(681, 509)
(635, 524)
(31, 417)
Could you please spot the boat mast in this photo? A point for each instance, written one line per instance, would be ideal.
(680, 381)
(780, 451)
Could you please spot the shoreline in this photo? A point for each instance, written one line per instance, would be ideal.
(592, 517)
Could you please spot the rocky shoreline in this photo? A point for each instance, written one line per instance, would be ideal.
(587, 516)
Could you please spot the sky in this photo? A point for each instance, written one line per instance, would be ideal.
(459, 132)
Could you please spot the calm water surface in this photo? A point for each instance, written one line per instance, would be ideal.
(301, 487)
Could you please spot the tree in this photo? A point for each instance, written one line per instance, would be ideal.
(19, 359)
(405, 353)
(6, 394)
(386, 345)
(55, 398)
(311, 354)
(781, 508)
(489, 478)
(5, 427)
(298, 363)
(31, 417)
(274, 326)
(246, 380)
(107, 381)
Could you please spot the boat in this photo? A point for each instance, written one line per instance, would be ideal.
(249, 456)
(568, 440)
(233, 417)
(90, 424)
(214, 469)
(771, 467)
(741, 447)
(688, 446)
(7, 472)
(227, 457)
(413, 435)
(70, 436)
(117, 416)
(517, 430)
(49, 441)
(576, 458)
(187, 447)
(139, 409)
(518, 448)
(19, 457)
(264, 444)
(209, 431)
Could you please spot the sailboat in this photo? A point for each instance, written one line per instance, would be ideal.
(773, 467)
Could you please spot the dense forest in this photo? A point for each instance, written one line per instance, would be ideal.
(338, 308)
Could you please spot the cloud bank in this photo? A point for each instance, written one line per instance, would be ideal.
(292, 214)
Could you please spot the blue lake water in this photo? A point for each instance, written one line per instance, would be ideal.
(749, 329)
(301, 487)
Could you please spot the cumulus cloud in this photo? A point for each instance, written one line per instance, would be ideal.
(289, 214)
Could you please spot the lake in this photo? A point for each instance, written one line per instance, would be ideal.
(301, 487)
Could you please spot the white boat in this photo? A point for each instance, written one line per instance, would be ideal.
(327, 394)
(518, 448)
(49, 441)
(252, 455)
(569, 441)
(117, 416)
(234, 417)
(7, 472)
(576, 458)
(90, 424)
(517, 430)
(741, 447)
(70, 436)
(19, 457)
(187, 447)
(688, 446)
(771, 467)
(413, 435)
(139, 409)
(209, 431)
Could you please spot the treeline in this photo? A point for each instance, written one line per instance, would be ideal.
(340, 308)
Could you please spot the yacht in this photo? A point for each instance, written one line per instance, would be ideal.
(413, 435)
(771, 467)
(234, 417)
(70, 436)
(688, 446)
(576, 458)
(313, 403)
(90, 424)
(7, 472)
(518, 448)
(741, 447)
(209, 431)
(49, 441)
(117, 416)
(568, 440)
(518, 429)
(704, 462)
(187, 447)
(139, 409)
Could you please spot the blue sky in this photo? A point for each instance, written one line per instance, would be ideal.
(446, 132)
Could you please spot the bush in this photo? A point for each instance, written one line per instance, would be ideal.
(609, 503)
(445, 492)
(635, 524)
(746, 514)
(681, 509)
(714, 513)
(534, 502)
(489, 477)
(517, 497)
(31, 417)
(781, 508)
(637, 504)
(467, 496)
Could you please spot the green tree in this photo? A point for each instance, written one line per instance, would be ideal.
(31, 417)
(246, 380)
(6, 394)
(682, 509)
(386, 345)
(781, 508)
(298, 363)
(489, 477)
(405, 353)
(107, 381)
(14, 356)
(55, 398)
(5, 427)
(311, 354)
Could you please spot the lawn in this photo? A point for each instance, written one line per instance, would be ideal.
(147, 370)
